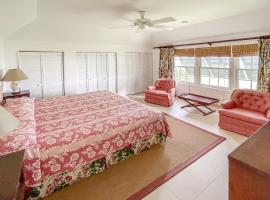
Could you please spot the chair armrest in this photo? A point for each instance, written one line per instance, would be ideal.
(152, 87)
(172, 91)
(268, 114)
(228, 104)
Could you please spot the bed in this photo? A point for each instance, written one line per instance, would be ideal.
(73, 137)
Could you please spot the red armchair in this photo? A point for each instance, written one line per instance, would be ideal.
(162, 93)
(246, 112)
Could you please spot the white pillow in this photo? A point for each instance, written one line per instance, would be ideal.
(7, 122)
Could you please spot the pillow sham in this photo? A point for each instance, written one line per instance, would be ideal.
(7, 122)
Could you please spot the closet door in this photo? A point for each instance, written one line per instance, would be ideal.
(79, 74)
(102, 72)
(92, 72)
(30, 63)
(147, 60)
(52, 70)
(112, 77)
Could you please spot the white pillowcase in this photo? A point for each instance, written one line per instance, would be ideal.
(7, 122)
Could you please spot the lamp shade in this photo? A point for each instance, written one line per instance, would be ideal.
(14, 75)
(7, 122)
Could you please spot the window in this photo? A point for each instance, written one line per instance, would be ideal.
(184, 68)
(215, 71)
(247, 72)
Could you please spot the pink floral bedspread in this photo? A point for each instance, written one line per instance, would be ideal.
(24, 137)
(74, 130)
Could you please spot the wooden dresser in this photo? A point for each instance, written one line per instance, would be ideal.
(249, 168)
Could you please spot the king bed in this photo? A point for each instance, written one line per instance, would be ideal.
(72, 137)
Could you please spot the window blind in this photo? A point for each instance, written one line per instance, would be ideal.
(185, 52)
(223, 51)
(245, 50)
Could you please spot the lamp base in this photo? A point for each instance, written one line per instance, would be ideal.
(15, 87)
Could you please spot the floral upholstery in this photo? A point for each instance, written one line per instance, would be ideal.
(162, 93)
(247, 111)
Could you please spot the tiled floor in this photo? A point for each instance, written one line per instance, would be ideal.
(207, 178)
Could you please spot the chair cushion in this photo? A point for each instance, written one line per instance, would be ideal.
(245, 115)
(251, 100)
(157, 92)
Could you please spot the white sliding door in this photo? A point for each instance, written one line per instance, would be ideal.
(138, 71)
(79, 74)
(92, 72)
(52, 74)
(102, 72)
(146, 60)
(112, 72)
(30, 63)
(44, 71)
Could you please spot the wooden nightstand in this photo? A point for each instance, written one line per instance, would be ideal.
(10, 173)
(9, 95)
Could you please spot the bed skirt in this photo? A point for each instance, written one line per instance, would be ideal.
(59, 181)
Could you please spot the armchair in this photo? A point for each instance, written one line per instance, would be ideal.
(246, 112)
(162, 93)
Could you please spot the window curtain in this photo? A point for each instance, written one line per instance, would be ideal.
(166, 63)
(264, 68)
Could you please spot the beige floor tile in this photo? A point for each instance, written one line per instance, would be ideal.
(189, 183)
(217, 190)
(161, 193)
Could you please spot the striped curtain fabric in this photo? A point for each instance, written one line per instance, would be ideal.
(264, 68)
(166, 63)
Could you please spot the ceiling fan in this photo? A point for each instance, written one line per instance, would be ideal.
(142, 22)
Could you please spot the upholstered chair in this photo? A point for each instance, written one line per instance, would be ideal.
(245, 112)
(162, 93)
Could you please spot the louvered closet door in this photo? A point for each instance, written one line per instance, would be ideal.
(112, 77)
(78, 75)
(30, 63)
(102, 72)
(146, 61)
(92, 72)
(52, 74)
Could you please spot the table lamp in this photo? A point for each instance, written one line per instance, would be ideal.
(14, 75)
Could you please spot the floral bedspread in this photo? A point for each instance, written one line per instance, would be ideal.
(64, 133)
(75, 130)
(24, 137)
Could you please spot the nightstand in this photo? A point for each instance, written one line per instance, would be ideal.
(9, 95)
(10, 174)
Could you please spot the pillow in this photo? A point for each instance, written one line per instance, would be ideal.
(1, 93)
(7, 122)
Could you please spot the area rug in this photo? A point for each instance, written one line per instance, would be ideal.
(137, 176)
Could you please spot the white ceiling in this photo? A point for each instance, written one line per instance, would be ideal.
(89, 20)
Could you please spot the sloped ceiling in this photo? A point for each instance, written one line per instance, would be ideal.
(15, 14)
(89, 20)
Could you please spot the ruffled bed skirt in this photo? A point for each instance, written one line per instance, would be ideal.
(59, 181)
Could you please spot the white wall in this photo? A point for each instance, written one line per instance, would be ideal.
(70, 49)
(2, 63)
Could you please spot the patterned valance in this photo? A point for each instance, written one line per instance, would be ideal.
(185, 52)
(245, 50)
(224, 51)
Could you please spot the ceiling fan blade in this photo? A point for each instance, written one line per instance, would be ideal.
(121, 26)
(163, 20)
(162, 27)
